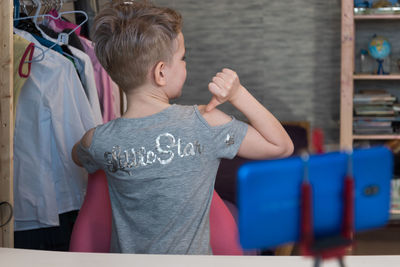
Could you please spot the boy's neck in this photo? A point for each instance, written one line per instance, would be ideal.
(145, 102)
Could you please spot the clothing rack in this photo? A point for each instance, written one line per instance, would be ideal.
(6, 117)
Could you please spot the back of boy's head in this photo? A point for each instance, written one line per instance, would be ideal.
(130, 37)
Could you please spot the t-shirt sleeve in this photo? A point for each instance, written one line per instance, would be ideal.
(228, 137)
(86, 157)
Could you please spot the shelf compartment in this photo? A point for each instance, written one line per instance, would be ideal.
(376, 77)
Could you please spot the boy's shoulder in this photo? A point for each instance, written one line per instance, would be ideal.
(211, 118)
(214, 117)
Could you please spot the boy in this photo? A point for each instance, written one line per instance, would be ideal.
(161, 159)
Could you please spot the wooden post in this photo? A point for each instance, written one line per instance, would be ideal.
(6, 121)
(347, 71)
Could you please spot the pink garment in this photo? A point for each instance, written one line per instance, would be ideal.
(59, 25)
(107, 90)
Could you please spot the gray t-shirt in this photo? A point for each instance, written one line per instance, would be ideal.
(161, 171)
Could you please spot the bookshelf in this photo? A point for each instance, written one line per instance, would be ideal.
(349, 77)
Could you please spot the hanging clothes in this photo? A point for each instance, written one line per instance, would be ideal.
(73, 39)
(50, 238)
(23, 51)
(108, 91)
(53, 113)
(106, 88)
(59, 25)
(86, 73)
(88, 82)
(28, 26)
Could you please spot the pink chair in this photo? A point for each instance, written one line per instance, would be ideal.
(224, 234)
(92, 229)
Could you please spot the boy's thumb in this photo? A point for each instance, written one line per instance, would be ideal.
(213, 103)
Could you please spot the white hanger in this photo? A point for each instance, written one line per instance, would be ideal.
(62, 37)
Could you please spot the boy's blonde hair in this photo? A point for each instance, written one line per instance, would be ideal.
(130, 37)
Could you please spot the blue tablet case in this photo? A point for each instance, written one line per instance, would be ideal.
(269, 195)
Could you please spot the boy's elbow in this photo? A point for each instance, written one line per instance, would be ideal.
(282, 150)
(286, 149)
(289, 148)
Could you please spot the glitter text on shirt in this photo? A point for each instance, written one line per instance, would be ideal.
(167, 147)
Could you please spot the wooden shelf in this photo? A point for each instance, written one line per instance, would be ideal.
(377, 17)
(376, 137)
(376, 77)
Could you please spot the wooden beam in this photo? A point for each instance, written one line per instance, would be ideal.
(6, 121)
(347, 70)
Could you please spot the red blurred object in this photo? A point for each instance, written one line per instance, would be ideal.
(331, 246)
(318, 141)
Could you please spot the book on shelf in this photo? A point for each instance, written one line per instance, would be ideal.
(377, 126)
(374, 110)
(376, 118)
(374, 99)
(376, 91)
(366, 124)
(373, 130)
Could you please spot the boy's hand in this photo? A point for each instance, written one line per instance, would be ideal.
(224, 87)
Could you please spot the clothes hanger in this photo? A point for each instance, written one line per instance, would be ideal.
(62, 37)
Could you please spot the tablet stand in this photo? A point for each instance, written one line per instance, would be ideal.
(331, 246)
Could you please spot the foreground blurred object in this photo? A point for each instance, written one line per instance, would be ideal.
(270, 196)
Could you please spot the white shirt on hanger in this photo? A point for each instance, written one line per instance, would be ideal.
(86, 72)
(53, 113)
(88, 82)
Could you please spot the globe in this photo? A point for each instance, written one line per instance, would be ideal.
(379, 47)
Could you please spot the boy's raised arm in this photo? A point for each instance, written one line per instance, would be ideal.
(265, 138)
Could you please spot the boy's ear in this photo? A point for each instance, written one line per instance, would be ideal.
(160, 74)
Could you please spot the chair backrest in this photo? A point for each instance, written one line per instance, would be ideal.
(224, 234)
(92, 229)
